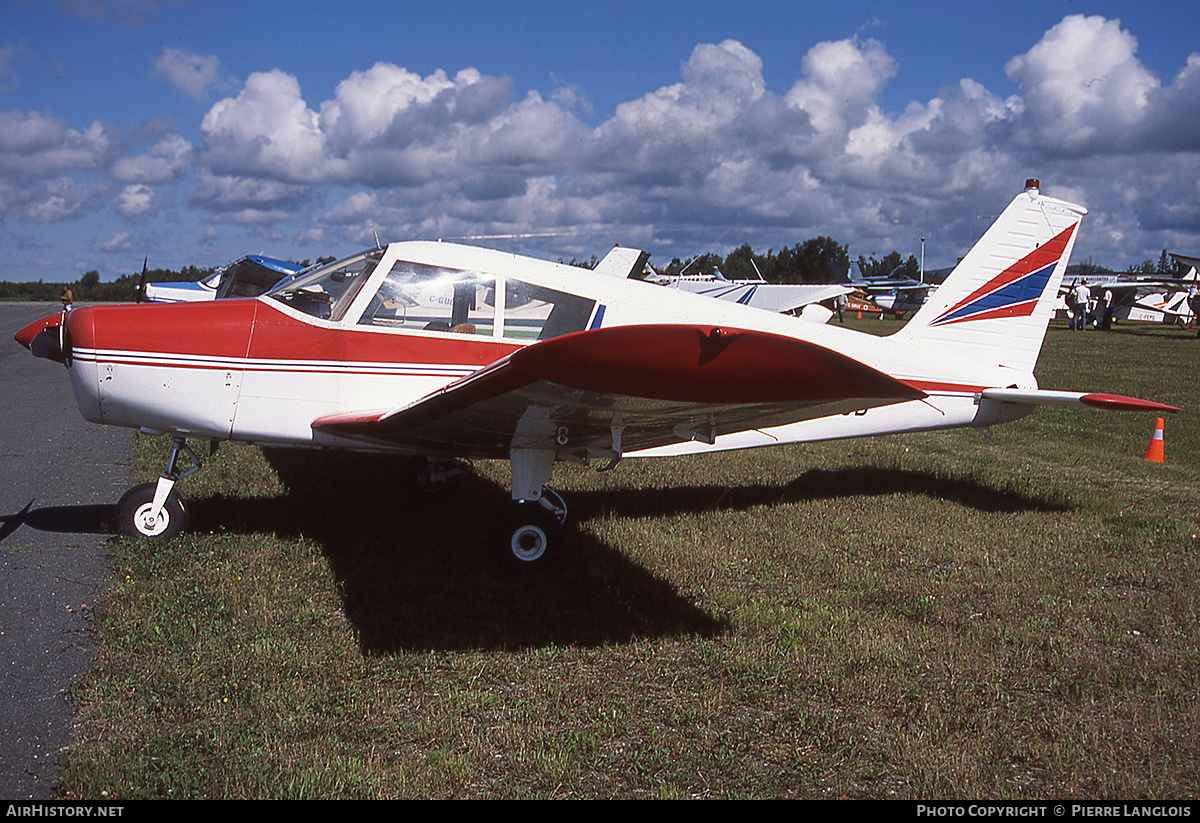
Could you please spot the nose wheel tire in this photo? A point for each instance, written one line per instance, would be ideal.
(135, 517)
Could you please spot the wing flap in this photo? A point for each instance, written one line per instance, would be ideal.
(626, 388)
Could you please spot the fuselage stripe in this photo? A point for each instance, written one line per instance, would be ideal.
(148, 360)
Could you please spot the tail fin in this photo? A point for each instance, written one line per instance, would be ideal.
(993, 309)
(623, 262)
(851, 277)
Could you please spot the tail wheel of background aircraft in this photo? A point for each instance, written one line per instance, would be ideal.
(134, 514)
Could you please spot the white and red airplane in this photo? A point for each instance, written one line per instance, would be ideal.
(536, 362)
(1170, 301)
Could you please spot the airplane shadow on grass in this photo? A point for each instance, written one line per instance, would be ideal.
(424, 570)
(815, 484)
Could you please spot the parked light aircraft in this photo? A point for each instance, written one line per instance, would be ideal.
(1170, 300)
(247, 276)
(892, 294)
(561, 364)
(1175, 307)
(776, 297)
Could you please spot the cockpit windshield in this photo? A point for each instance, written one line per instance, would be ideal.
(412, 296)
(327, 292)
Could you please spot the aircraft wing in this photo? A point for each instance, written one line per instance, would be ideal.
(602, 392)
(1125, 286)
(767, 296)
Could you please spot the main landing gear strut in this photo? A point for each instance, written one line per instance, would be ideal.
(155, 510)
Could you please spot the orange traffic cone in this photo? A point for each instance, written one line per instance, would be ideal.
(1154, 452)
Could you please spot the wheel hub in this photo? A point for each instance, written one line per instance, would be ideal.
(529, 543)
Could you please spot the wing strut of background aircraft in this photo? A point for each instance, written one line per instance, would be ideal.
(451, 351)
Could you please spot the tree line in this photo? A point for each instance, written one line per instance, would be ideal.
(822, 260)
(817, 260)
(88, 287)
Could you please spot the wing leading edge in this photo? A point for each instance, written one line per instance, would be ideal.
(605, 391)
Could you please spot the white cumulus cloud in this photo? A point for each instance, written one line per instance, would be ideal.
(459, 153)
(191, 73)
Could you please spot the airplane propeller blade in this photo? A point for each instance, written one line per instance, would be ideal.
(141, 295)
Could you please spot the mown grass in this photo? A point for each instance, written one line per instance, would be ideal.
(925, 616)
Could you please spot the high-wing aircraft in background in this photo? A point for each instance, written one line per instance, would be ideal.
(247, 276)
(536, 362)
(777, 297)
(894, 294)
(1170, 301)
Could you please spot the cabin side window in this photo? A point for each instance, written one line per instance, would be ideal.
(415, 296)
(537, 313)
(430, 298)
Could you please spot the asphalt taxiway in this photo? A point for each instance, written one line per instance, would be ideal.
(61, 476)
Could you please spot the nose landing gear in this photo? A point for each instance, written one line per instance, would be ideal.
(155, 510)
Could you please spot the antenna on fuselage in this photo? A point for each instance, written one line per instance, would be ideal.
(711, 246)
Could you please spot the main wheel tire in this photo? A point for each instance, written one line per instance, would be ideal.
(532, 537)
(133, 512)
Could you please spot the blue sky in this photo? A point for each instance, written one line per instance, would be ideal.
(195, 132)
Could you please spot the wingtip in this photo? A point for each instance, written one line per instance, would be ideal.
(1122, 403)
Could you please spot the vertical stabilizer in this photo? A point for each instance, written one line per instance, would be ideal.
(622, 262)
(993, 309)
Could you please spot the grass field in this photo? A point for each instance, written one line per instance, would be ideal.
(947, 615)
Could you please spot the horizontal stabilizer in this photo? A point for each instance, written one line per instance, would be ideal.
(1042, 397)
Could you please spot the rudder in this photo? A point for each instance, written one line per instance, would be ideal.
(993, 309)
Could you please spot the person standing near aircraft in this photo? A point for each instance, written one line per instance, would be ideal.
(1083, 296)
(66, 297)
(1194, 305)
(1104, 309)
